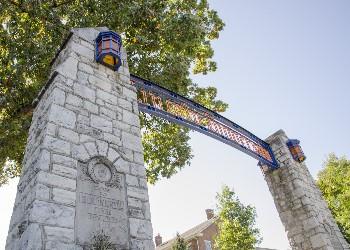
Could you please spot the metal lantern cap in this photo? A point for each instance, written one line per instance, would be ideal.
(108, 45)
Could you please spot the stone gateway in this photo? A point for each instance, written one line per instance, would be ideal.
(83, 178)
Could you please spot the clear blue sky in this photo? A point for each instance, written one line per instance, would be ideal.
(281, 64)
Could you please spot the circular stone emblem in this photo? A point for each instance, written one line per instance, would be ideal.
(102, 173)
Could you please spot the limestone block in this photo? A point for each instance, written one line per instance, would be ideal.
(134, 202)
(86, 138)
(107, 97)
(56, 180)
(143, 183)
(82, 119)
(101, 123)
(82, 50)
(135, 213)
(31, 239)
(88, 34)
(100, 102)
(52, 214)
(57, 245)
(317, 241)
(57, 145)
(74, 100)
(43, 162)
(122, 126)
(111, 138)
(83, 77)
(92, 108)
(86, 68)
(65, 235)
(79, 152)
(126, 153)
(91, 148)
(39, 191)
(62, 116)
(108, 113)
(84, 91)
(68, 135)
(51, 128)
(142, 244)
(138, 158)
(122, 166)
(64, 171)
(141, 229)
(136, 131)
(124, 79)
(112, 154)
(138, 170)
(125, 104)
(131, 141)
(104, 84)
(68, 68)
(58, 96)
(102, 147)
(132, 180)
(63, 196)
(129, 91)
(130, 118)
(88, 44)
(146, 210)
(137, 193)
(64, 160)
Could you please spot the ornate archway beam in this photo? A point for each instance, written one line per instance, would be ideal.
(158, 101)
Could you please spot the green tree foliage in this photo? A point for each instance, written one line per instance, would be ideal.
(102, 241)
(179, 244)
(164, 40)
(334, 183)
(236, 223)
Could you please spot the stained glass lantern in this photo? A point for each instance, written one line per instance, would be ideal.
(295, 150)
(108, 45)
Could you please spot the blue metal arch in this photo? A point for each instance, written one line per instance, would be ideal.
(168, 95)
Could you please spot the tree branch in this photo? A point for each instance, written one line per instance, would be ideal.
(18, 5)
(56, 5)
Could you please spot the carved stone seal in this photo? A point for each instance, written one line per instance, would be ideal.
(101, 170)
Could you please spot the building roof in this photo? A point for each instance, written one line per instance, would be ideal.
(190, 234)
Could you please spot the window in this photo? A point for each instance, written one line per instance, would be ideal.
(207, 244)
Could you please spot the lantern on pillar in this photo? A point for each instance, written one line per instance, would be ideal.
(295, 150)
(108, 45)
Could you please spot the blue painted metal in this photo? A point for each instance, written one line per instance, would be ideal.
(223, 126)
(113, 49)
(295, 150)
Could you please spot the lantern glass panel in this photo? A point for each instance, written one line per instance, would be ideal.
(108, 59)
(99, 47)
(115, 45)
(107, 44)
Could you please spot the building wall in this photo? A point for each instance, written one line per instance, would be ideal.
(208, 234)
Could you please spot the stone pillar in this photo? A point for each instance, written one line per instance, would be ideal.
(83, 178)
(304, 213)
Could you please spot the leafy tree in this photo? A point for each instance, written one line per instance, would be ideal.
(164, 40)
(334, 183)
(236, 223)
(179, 244)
